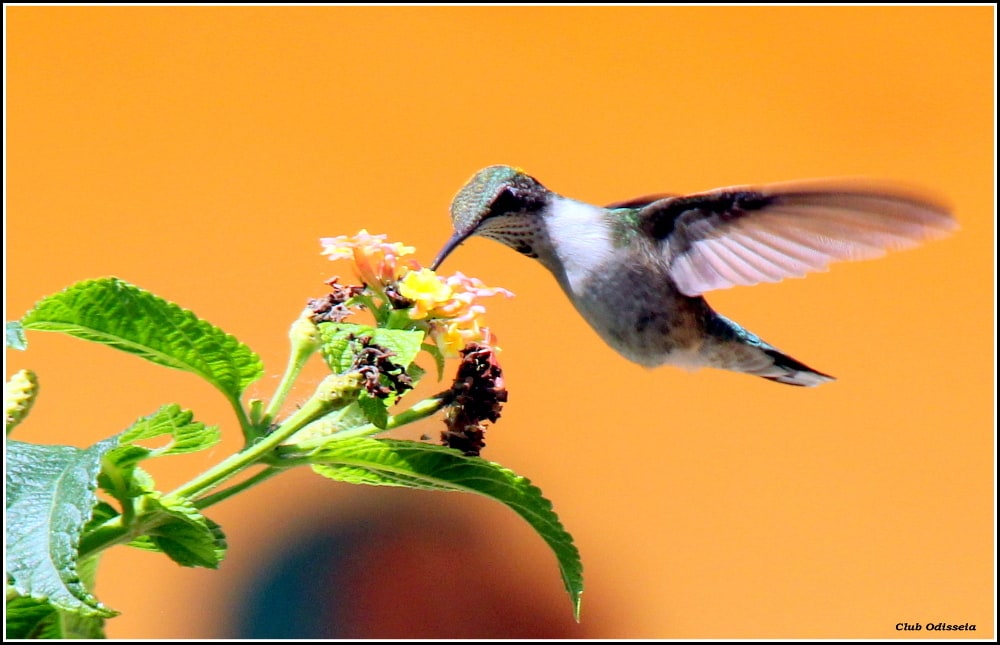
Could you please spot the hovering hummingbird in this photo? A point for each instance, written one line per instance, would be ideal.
(636, 270)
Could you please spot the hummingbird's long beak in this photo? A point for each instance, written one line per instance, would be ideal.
(450, 246)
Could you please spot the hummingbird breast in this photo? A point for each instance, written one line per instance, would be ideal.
(637, 309)
(620, 283)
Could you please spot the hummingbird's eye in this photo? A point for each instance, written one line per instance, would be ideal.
(504, 203)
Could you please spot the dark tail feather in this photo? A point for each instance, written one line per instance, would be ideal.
(739, 350)
(796, 373)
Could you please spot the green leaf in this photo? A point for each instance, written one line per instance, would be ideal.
(256, 412)
(119, 475)
(19, 395)
(338, 351)
(79, 627)
(50, 496)
(416, 373)
(15, 335)
(123, 316)
(102, 513)
(174, 527)
(186, 434)
(375, 410)
(181, 532)
(30, 618)
(34, 619)
(392, 462)
(83, 627)
(335, 339)
(405, 343)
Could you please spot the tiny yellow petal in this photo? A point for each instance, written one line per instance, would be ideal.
(426, 290)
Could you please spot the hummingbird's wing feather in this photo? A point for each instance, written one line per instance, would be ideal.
(639, 202)
(743, 236)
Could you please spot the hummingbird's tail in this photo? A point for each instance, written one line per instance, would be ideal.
(792, 371)
(739, 350)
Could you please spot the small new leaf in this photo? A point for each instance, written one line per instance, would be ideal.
(119, 475)
(337, 346)
(186, 536)
(102, 513)
(416, 373)
(410, 464)
(50, 496)
(375, 410)
(336, 343)
(187, 435)
(123, 316)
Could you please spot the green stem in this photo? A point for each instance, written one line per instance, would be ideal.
(305, 341)
(369, 304)
(334, 392)
(215, 498)
(118, 488)
(421, 410)
(284, 387)
(296, 362)
(241, 415)
(399, 319)
(114, 531)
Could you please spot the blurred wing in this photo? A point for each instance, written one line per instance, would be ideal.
(742, 236)
(639, 202)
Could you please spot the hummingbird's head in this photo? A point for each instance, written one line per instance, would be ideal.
(501, 203)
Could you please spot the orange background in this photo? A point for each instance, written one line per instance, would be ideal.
(200, 153)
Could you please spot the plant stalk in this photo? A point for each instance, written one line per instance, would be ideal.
(333, 393)
(226, 493)
(298, 453)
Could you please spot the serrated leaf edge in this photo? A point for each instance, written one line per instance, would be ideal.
(556, 528)
(246, 373)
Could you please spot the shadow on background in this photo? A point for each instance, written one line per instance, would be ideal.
(390, 571)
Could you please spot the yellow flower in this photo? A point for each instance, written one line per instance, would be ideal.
(452, 336)
(427, 291)
(450, 307)
(446, 308)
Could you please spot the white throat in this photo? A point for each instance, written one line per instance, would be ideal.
(580, 238)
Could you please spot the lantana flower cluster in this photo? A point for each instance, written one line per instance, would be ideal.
(376, 262)
(447, 308)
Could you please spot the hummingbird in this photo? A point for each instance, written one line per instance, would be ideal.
(637, 270)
